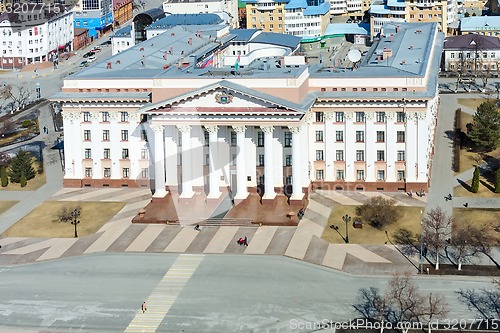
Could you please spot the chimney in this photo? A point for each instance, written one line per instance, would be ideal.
(118, 61)
(379, 57)
(200, 34)
(190, 41)
(172, 34)
(165, 55)
(108, 65)
(182, 53)
(387, 53)
(171, 50)
(142, 62)
(397, 28)
(141, 49)
(392, 37)
(403, 62)
(411, 47)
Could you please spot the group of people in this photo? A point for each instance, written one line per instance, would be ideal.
(242, 241)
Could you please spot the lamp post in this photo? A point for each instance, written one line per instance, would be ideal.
(75, 215)
(346, 218)
(38, 91)
(421, 262)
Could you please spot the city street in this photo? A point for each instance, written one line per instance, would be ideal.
(104, 293)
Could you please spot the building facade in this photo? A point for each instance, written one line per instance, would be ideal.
(480, 25)
(189, 129)
(229, 7)
(35, 36)
(94, 15)
(122, 12)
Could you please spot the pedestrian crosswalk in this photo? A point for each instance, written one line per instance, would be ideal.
(165, 294)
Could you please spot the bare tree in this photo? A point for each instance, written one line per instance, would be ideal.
(8, 126)
(436, 230)
(402, 302)
(19, 94)
(459, 248)
(483, 240)
(410, 243)
(485, 302)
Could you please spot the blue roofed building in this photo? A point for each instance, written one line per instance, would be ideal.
(482, 25)
(94, 15)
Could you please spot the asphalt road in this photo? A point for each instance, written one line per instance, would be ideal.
(103, 292)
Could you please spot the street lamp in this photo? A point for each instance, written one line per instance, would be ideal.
(346, 218)
(421, 262)
(38, 91)
(75, 215)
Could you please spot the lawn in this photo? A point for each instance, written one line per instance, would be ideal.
(42, 222)
(4, 205)
(486, 189)
(471, 103)
(33, 184)
(477, 217)
(410, 220)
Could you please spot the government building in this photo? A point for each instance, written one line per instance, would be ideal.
(195, 116)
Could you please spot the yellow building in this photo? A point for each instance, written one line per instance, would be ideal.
(268, 16)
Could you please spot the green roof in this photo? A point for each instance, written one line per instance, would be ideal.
(241, 4)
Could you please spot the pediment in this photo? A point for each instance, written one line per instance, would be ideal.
(222, 97)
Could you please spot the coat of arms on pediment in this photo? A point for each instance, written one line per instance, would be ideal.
(223, 97)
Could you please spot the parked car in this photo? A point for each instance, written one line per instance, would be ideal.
(91, 58)
(106, 43)
(96, 49)
(84, 63)
(88, 54)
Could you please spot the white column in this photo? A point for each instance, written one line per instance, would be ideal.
(370, 151)
(116, 149)
(296, 162)
(329, 146)
(350, 151)
(159, 159)
(97, 146)
(251, 153)
(187, 187)
(411, 148)
(197, 156)
(422, 145)
(241, 174)
(134, 151)
(171, 156)
(268, 163)
(278, 157)
(70, 120)
(391, 150)
(304, 161)
(214, 176)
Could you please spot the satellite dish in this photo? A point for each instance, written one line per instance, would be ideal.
(354, 56)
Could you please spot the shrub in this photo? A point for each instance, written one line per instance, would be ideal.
(475, 180)
(497, 181)
(379, 212)
(21, 163)
(3, 176)
(26, 123)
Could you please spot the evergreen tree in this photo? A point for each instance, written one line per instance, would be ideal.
(497, 181)
(485, 132)
(23, 180)
(475, 180)
(3, 176)
(21, 163)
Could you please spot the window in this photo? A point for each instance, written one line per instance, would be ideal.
(380, 155)
(88, 172)
(360, 174)
(107, 153)
(86, 116)
(400, 117)
(401, 175)
(339, 136)
(401, 155)
(144, 135)
(492, 55)
(126, 172)
(319, 174)
(319, 155)
(206, 137)
(105, 117)
(400, 136)
(380, 117)
(145, 172)
(233, 138)
(144, 154)
(105, 135)
(485, 54)
(86, 135)
(380, 136)
(123, 116)
(288, 139)
(88, 153)
(360, 117)
(260, 139)
(339, 155)
(360, 155)
(124, 135)
(339, 117)
(319, 117)
(261, 159)
(340, 174)
(125, 153)
(360, 136)
(107, 172)
(319, 136)
(380, 174)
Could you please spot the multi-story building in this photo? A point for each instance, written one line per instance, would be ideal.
(230, 7)
(474, 7)
(481, 25)
(307, 19)
(443, 12)
(36, 35)
(122, 11)
(94, 15)
(352, 9)
(139, 119)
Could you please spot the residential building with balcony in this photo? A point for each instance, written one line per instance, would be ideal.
(94, 15)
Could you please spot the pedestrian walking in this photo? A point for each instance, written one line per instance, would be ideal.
(197, 227)
(47, 131)
(44, 129)
(245, 241)
(144, 307)
(466, 204)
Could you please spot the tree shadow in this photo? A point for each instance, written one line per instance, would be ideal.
(464, 185)
(487, 185)
(450, 134)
